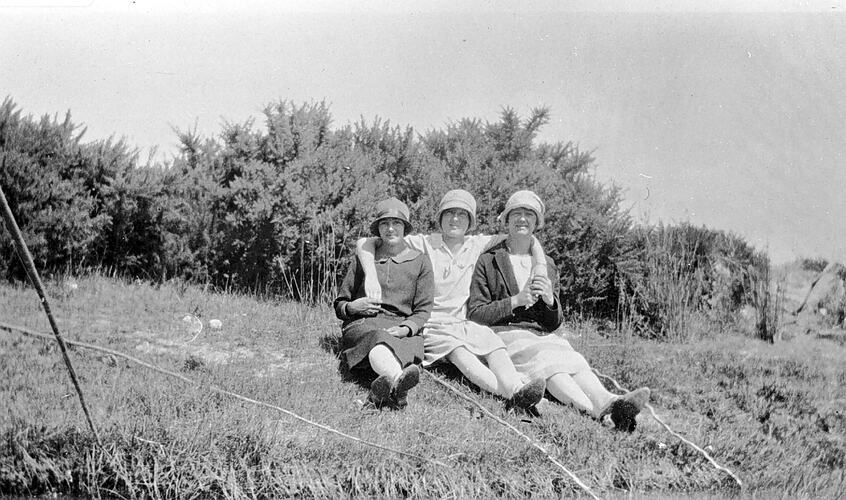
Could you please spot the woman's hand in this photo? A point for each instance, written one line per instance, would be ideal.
(541, 286)
(364, 306)
(400, 331)
(525, 298)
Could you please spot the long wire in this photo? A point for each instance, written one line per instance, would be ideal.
(219, 390)
(674, 433)
(531, 441)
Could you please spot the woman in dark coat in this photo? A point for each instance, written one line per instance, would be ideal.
(384, 336)
(518, 299)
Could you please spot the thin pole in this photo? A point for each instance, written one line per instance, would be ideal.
(26, 257)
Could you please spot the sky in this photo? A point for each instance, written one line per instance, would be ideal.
(730, 115)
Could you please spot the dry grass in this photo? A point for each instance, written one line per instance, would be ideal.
(774, 414)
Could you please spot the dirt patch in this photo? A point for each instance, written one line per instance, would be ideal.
(266, 362)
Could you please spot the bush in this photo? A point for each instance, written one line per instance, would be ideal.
(45, 177)
(815, 264)
(277, 210)
(684, 269)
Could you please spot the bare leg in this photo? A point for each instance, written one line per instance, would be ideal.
(508, 378)
(566, 390)
(476, 371)
(593, 389)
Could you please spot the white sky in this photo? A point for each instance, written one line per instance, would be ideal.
(731, 115)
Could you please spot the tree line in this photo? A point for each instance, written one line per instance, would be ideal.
(276, 209)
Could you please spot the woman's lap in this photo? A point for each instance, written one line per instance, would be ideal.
(542, 356)
(360, 336)
(441, 339)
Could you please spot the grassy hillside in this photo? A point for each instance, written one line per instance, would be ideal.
(774, 414)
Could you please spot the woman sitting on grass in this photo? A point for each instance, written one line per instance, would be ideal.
(519, 301)
(474, 349)
(383, 336)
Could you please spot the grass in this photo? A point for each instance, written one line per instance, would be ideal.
(774, 414)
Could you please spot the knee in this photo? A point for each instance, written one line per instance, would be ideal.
(498, 354)
(459, 353)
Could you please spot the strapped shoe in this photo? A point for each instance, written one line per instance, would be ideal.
(380, 391)
(527, 396)
(409, 377)
(625, 408)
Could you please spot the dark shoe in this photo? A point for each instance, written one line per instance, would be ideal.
(625, 408)
(409, 377)
(380, 391)
(623, 415)
(528, 396)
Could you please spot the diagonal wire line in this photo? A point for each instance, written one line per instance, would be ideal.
(531, 441)
(214, 388)
(674, 433)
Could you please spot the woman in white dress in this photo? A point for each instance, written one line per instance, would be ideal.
(474, 349)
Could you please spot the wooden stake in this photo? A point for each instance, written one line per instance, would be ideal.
(32, 272)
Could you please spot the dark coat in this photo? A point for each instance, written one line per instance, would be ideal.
(407, 297)
(493, 286)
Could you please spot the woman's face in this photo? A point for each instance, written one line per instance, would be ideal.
(522, 222)
(455, 222)
(391, 230)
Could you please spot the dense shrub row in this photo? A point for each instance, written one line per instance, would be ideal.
(276, 209)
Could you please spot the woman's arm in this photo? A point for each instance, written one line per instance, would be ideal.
(365, 250)
(491, 240)
(347, 306)
(346, 291)
(539, 266)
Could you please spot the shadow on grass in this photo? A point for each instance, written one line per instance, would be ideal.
(331, 343)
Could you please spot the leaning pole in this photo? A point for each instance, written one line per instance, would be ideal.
(32, 272)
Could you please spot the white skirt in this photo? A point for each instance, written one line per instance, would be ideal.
(542, 356)
(440, 339)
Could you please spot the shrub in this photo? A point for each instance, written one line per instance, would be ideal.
(45, 176)
(277, 210)
(684, 269)
(815, 264)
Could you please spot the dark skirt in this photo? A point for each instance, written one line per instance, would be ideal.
(362, 335)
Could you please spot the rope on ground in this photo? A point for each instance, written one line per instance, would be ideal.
(219, 390)
(516, 430)
(674, 433)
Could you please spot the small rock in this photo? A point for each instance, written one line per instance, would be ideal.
(215, 324)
